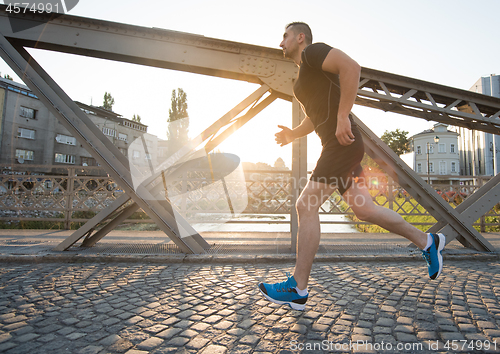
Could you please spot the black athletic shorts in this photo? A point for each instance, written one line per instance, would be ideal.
(340, 165)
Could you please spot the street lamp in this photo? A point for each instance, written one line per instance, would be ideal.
(436, 140)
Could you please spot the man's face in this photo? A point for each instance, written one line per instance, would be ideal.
(289, 43)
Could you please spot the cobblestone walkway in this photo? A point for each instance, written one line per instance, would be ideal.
(209, 308)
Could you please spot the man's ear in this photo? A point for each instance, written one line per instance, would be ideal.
(301, 37)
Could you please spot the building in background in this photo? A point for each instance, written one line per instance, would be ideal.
(434, 155)
(30, 134)
(479, 151)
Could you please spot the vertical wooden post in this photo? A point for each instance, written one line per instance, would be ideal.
(483, 224)
(69, 198)
(390, 195)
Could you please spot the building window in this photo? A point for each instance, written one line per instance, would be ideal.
(136, 154)
(431, 148)
(453, 167)
(442, 148)
(148, 157)
(419, 150)
(431, 167)
(25, 133)
(65, 139)
(28, 112)
(123, 151)
(88, 112)
(109, 132)
(88, 161)
(442, 167)
(419, 168)
(63, 158)
(122, 137)
(134, 126)
(15, 89)
(24, 154)
(452, 148)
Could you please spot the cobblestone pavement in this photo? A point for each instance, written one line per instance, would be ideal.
(211, 308)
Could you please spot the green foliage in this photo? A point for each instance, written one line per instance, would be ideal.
(139, 215)
(84, 214)
(397, 140)
(108, 102)
(178, 109)
(32, 224)
(178, 120)
(401, 206)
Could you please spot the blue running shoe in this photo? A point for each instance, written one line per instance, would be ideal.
(433, 255)
(284, 293)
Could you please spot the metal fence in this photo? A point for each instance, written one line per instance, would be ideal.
(75, 194)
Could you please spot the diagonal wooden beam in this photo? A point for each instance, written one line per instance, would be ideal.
(182, 156)
(472, 208)
(421, 191)
(94, 141)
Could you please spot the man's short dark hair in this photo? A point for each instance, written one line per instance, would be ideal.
(302, 27)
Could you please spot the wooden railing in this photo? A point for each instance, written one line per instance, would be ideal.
(74, 194)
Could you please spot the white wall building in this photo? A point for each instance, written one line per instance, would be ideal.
(438, 162)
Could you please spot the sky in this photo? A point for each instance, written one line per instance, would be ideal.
(449, 42)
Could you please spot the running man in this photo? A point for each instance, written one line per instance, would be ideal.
(326, 87)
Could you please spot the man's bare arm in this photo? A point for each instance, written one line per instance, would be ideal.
(337, 62)
(287, 135)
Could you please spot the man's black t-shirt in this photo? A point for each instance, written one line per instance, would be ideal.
(318, 91)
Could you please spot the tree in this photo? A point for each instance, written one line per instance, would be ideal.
(178, 108)
(397, 140)
(136, 118)
(108, 102)
(178, 120)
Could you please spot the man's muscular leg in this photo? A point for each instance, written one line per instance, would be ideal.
(359, 199)
(309, 234)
